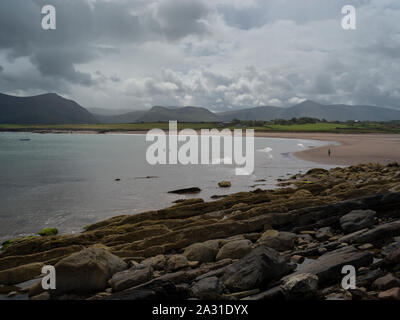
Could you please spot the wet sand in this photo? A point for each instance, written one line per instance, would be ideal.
(351, 149)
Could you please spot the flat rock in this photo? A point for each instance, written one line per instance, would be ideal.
(391, 294)
(130, 278)
(366, 279)
(328, 267)
(21, 274)
(186, 190)
(383, 231)
(156, 289)
(256, 269)
(387, 282)
(207, 289)
(274, 293)
(300, 286)
(42, 296)
(357, 219)
(339, 296)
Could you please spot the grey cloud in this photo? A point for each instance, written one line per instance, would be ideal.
(178, 18)
(89, 30)
(30, 83)
(59, 61)
(214, 53)
(323, 84)
(300, 11)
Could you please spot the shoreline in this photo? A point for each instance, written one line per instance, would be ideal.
(218, 250)
(351, 149)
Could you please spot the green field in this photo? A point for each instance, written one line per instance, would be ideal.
(348, 127)
(332, 127)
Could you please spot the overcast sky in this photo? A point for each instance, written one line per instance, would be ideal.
(219, 54)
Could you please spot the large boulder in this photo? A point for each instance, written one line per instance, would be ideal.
(130, 278)
(300, 286)
(87, 271)
(328, 267)
(202, 252)
(258, 268)
(357, 220)
(234, 250)
(278, 240)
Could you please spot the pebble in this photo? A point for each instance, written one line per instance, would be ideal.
(366, 246)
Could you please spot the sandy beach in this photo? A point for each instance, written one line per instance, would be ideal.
(352, 149)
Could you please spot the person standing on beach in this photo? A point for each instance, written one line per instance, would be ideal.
(329, 153)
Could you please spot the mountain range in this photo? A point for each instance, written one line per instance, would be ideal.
(339, 112)
(43, 109)
(54, 109)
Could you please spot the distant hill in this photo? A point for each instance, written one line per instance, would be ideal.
(108, 112)
(54, 109)
(305, 109)
(161, 114)
(129, 117)
(185, 114)
(314, 110)
(42, 109)
(258, 113)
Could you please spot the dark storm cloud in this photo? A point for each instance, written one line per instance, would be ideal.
(83, 28)
(221, 54)
(177, 18)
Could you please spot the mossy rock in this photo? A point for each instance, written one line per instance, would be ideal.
(301, 194)
(317, 171)
(48, 232)
(10, 242)
(224, 184)
(303, 182)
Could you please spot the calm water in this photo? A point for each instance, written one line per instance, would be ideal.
(68, 180)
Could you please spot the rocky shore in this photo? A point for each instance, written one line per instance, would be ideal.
(285, 244)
